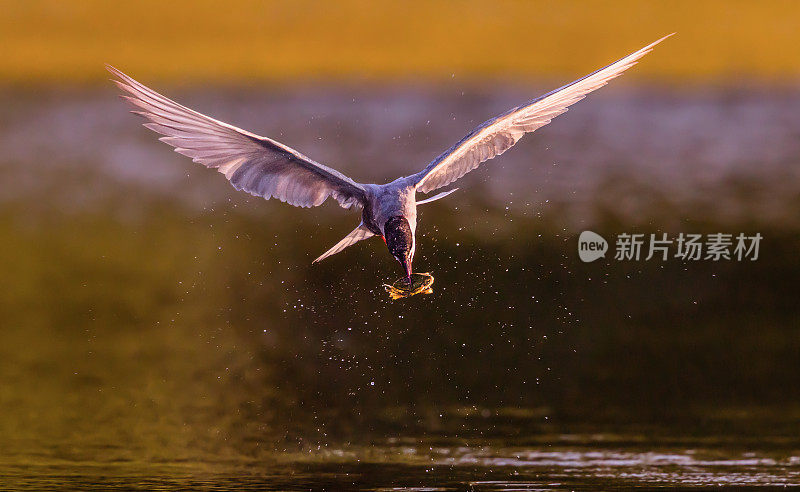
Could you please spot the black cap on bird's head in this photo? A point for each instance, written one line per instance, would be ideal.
(400, 242)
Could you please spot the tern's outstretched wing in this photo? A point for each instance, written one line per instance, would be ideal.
(499, 134)
(359, 233)
(257, 165)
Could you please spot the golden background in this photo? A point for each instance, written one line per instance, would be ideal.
(253, 41)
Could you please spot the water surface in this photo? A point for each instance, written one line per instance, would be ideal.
(160, 330)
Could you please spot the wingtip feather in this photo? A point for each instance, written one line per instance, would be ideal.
(651, 45)
(114, 70)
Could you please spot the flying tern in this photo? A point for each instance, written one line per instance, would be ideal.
(269, 169)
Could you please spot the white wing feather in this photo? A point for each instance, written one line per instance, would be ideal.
(499, 134)
(255, 164)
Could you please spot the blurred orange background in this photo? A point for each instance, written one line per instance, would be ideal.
(248, 41)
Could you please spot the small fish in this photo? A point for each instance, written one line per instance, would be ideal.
(420, 284)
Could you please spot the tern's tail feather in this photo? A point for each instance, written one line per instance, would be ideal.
(436, 197)
(359, 233)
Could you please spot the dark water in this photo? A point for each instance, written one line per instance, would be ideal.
(160, 331)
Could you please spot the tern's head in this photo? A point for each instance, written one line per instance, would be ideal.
(400, 242)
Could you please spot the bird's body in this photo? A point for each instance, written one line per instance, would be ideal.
(266, 168)
(397, 198)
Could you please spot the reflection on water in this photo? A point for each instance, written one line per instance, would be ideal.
(453, 468)
(160, 330)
